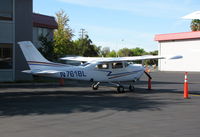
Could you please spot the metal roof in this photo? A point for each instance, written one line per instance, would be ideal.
(44, 21)
(178, 36)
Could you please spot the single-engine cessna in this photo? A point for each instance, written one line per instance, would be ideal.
(95, 69)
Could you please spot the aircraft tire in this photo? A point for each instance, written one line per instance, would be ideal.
(131, 88)
(120, 89)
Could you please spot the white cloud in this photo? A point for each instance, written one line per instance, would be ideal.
(153, 8)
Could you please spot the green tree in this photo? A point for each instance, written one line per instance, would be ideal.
(152, 62)
(124, 52)
(131, 52)
(112, 54)
(85, 47)
(195, 25)
(138, 51)
(63, 35)
(47, 48)
(153, 52)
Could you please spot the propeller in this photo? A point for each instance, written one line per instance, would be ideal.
(148, 75)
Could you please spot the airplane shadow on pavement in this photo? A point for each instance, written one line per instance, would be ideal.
(65, 102)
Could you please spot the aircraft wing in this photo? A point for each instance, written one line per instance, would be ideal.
(41, 72)
(133, 58)
(136, 58)
(82, 59)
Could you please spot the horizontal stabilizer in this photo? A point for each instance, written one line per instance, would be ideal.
(27, 71)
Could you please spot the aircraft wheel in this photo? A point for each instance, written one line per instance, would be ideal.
(131, 88)
(120, 89)
(95, 87)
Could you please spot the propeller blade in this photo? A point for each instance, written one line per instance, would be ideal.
(148, 75)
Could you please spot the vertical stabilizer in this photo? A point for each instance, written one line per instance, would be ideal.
(30, 52)
(33, 57)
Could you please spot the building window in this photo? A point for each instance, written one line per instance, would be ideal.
(43, 32)
(5, 56)
(6, 9)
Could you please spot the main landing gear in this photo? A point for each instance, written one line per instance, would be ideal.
(131, 88)
(120, 88)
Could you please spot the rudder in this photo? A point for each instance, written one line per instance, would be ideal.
(31, 53)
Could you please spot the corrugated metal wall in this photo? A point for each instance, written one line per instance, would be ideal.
(189, 49)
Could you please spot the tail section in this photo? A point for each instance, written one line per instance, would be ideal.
(37, 63)
(31, 54)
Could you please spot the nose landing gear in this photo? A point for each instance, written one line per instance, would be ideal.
(95, 86)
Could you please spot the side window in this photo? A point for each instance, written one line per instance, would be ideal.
(102, 66)
(116, 65)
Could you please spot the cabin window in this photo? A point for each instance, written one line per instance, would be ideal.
(116, 65)
(103, 66)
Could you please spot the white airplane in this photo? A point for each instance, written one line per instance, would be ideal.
(95, 69)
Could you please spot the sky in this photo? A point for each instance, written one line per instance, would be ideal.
(122, 23)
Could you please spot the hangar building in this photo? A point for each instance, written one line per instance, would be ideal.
(186, 44)
(19, 23)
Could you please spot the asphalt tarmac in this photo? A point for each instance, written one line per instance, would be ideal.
(75, 110)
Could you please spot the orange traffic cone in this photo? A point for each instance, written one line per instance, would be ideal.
(61, 81)
(149, 84)
(149, 80)
(186, 96)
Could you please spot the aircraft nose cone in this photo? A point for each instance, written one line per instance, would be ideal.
(141, 68)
